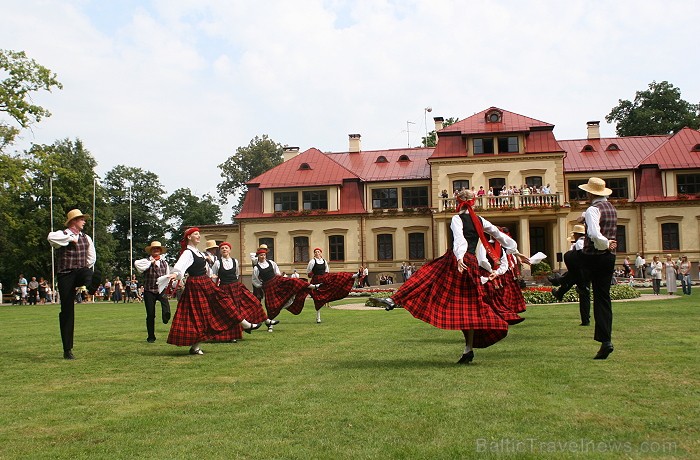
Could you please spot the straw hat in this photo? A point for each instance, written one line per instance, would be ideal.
(580, 229)
(153, 245)
(211, 244)
(595, 186)
(74, 214)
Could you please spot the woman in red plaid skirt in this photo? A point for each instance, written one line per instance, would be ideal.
(512, 292)
(227, 271)
(280, 292)
(204, 311)
(493, 278)
(448, 293)
(332, 286)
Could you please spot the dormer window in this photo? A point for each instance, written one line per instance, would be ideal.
(612, 148)
(588, 148)
(381, 159)
(404, 158)
(494, 116)
(696, 148)
(304, 167)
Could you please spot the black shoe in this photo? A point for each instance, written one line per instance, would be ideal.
(166, 317)
(68, 355)
(271, 322)
(252, 327)
(605, 349)
(466, 357)
(196, 351)
(585, 324)
(555, 279)
(151, 339)
(388, 303)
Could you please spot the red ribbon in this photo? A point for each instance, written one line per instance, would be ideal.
(494, 252)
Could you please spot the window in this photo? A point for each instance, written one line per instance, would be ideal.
(588, 148)
(533, 181)
(416, 246)
(612, 148)
(621, 237)
(508, 144)
(336, 245)
(460, 184)
(688, 184)
(385, 247)
(286, 201)
(497, 183)
(270, 242)
(414, 197)
(575, 193)
(538, 240)
(493, 116)
(304, 167)
(315, 199)
(381, 159)
(383, 198)
(404, 158)
(669, 237)
(696, 148)
(618, 187)
(301, 249)
(483, 146)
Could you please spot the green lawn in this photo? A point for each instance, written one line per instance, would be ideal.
(363, 384)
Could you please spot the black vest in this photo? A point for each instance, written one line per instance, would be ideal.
(198, 267)
(469, 232)
(319, 269)
(227, 276)
(266, 274)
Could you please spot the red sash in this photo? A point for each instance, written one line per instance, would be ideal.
(494, 252)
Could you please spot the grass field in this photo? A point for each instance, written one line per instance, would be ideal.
(363, 384)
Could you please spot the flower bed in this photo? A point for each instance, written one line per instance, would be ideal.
(380, 292)
(543, 294)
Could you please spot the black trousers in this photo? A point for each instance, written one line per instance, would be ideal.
(149, 299)
(67, 283)
(577, 275)
(601, 268)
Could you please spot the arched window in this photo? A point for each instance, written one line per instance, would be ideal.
(381, 159)
(301, 249)
(404, 158)
(612, 148)
(588, 148)
(696, 148)
(304, 167)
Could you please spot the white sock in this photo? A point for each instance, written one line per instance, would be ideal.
(268, 322)
(196, 345)
(245, 324)
(318, 315)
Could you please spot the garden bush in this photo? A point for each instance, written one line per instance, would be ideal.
(542, 294)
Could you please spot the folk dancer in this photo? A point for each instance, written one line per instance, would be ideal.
(332, 286)
(153, 267)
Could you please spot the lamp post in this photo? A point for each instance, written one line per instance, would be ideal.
(425, 116)
(131, 240)
(408, 132)
(94, 190)
(53, 268)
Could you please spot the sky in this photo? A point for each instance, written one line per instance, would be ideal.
(176, 86)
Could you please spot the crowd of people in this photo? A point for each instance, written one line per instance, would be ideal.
(505, 190)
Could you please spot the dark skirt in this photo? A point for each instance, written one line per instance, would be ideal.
(335, 286)
(512, 292)
(441, 296)
(203, 312)
(496, 297)
(279, 290)
(250, 307)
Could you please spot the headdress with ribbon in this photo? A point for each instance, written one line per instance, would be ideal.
(183, 241)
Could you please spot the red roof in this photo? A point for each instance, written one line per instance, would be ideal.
(539, 135)
(367, 168)
(650, 186)
(630, 152)
(308, 169)
(678, 152)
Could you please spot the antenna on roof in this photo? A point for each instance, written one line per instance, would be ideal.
(408, 133)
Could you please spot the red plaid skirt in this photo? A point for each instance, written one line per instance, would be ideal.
(495, 293)
(441, 296)
(512, 293)
(279, 290)
(203, 312)
(249, 306)
(335, 286)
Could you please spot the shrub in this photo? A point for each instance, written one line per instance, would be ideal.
(541, 268)
(540, 295)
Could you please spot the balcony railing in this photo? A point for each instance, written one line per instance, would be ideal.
(509, 202)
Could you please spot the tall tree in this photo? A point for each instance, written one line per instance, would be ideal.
(21, 77)
(259, 156)
(658, 110)
(136, 198)
(431, 140)
(182, 209)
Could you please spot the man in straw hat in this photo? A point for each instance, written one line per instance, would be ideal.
(154, 266)
(598, 256)
(76, 259)
(212, 252)
(575, 274)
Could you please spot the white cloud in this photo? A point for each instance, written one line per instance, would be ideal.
(158, 84)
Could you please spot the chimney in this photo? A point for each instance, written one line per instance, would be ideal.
(289, 152)
(438, 123)
(593, 129)
(354, 143)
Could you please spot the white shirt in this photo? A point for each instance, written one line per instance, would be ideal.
(257, 282)
(227, 265)
(143, 264)
(309, 268)
(486, 265)
(63, 238)
(592, 216)
(578, 244)
(186, 259)
(460, 245)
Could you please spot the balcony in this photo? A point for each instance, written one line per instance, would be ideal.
(552, 201)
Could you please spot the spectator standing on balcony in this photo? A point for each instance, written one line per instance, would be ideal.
(546, 190)
(481, 191)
